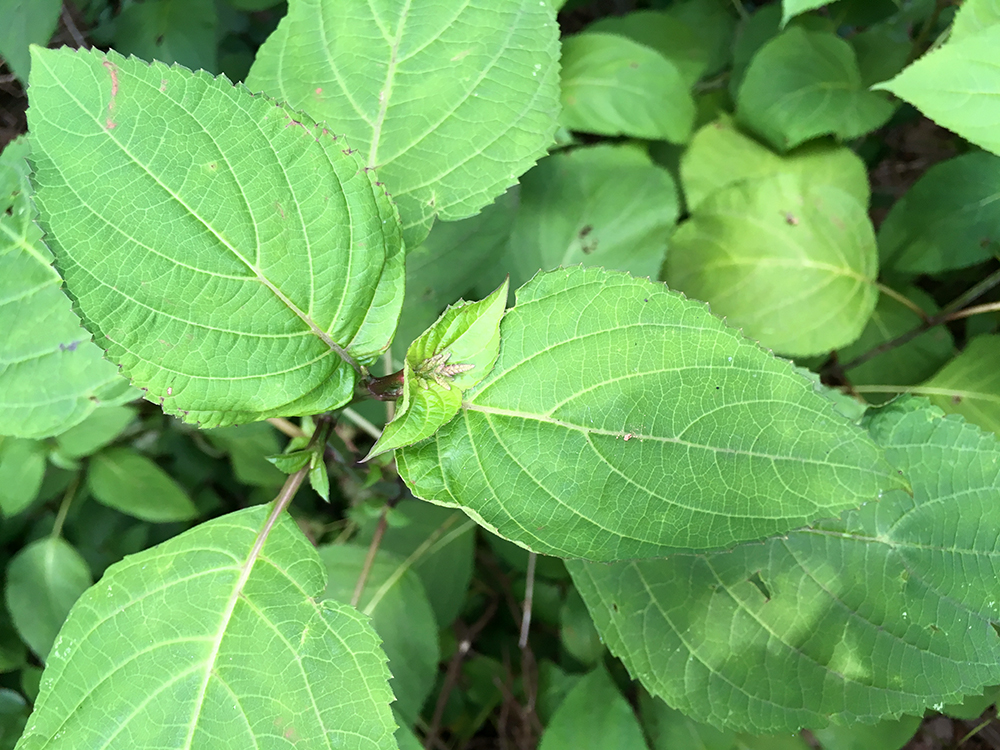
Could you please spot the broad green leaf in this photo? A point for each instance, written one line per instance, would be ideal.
(970, 384)
(713, 23)
(22, 468)
(554, 685)
(208, 641)
(577, 632)
(574, 469)
(51, 374)
(171, 31)
(957, 85)
(248, 446)
(882, 52)
(234, 283)
(438, 544)
(803, 84)
(593, 711)
(720, 155)
(451, 101)
(885, 611)
(666, 34)
(792, 8)
(13, 652)
(614, 86)
(43, 581)
(96, 431)
(395, 601)
(452, 260)
(450, 357)
(669, 729)
(972, 17)
(972, 706)
(13, 716)
(908, 364)
(604, 205)
(791, 262)
(886, 735)
(950, 218)
(128, 481)
(753, 32)
(25, 22)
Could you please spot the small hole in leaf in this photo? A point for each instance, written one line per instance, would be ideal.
(757, 581)
(159, 40)
(614, 606)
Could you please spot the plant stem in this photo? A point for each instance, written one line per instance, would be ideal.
(975, 310)
(286, 427)
(948, 312)
(64, 506)
(529, 594)
(386, 388)
(74, 32)
(383, 522)
(902, 299)
(362, 423)
(741, 10)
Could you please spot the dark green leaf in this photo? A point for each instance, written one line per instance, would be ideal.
(22, 468)
(241, 295)
(886, 735)
(13, 716)
(248, 447)
(96, 431)
(602, 205)
(577, 632)
(25, 22)
(594, 710)
(804, 84)
(44, 580)
(576, 470)
(949, 219)
(171, 31)
(888, 610)
(128, 481)
(614, 86)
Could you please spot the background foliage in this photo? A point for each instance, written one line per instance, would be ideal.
(729, 548)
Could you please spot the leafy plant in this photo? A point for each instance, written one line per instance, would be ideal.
(694, 536)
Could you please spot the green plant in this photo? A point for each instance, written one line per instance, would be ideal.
(761, 551)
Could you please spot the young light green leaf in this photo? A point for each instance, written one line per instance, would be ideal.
(791, 262)
(970, 383)
(792, 8)
(972, 17)
(605, 205)
(803, 84)
(614, 86)
(395, 601)
(882, 612)
(575, 469)
(207, 640)
(250, 263)
(450, 357)
(949, 219)
(127, 481)
(43, 581)
(720, 155)
(439, 544)
(171, 31)
(291, 462)
(319, 480)
(25, 22)
(908, 364)
(450, 101)
(456, 257)
(593, 709)
(957, 85)
(665, 33)
(22, 468)
(96, 431)
(43, 340)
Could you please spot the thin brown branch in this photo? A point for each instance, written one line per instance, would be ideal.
(974, 310)
(383, 523)
(71, 27)
(529, 592)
